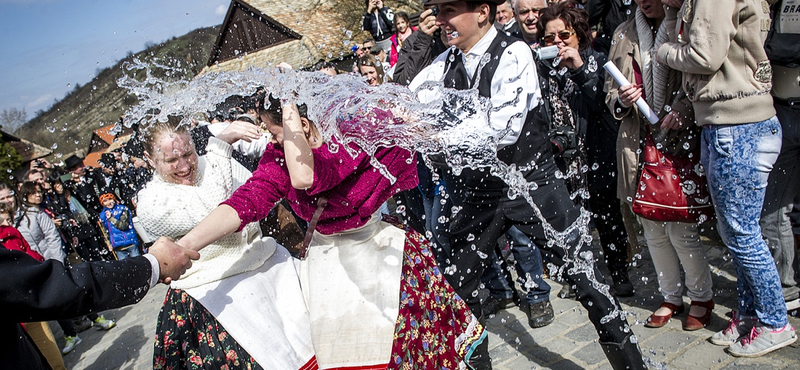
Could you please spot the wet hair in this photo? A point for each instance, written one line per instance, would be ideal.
(473, 5)
(372, 61)
(573, 17)
(149, 133)
(272, 108)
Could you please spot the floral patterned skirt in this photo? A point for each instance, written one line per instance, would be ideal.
(435, 328)
(189, 337)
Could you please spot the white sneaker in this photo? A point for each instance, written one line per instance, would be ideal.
(737, 327)
(763, 340)
(71, 343)
(103, 323)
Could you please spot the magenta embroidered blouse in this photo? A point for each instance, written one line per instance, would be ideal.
(354, 188)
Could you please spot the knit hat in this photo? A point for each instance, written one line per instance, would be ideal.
(107, 196)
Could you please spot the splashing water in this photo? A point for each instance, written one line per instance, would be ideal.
(344, 108)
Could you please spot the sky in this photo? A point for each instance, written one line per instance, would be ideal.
(49, 45)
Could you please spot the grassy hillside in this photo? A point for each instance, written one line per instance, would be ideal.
(69, 123)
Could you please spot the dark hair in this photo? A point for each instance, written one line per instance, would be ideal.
(26, 189)
(372, 61)
(7, 209)
(573, 17)
(403, 16)
(472, 5)
(272, 108)
(323, 64)
(155, 129)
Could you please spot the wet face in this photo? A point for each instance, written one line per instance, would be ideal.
(35, 197)
(175, 159)
(651, 8)
(401, 25)
(7, 197)
(527, 15)
(370, 73)
(109, 203)
(273, 127)
(504, 13)
(557, 33)
(6, 219)
(78, 171)
(460, 26)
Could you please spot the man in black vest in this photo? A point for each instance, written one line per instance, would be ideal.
(508, 78)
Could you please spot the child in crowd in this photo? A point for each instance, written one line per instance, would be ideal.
(10, 236)
(118, 223)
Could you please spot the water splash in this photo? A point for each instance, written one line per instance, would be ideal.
(344, 108)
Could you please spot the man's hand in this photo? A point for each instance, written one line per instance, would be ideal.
(173, 260)
(427, 22)
(240, 130)
(672, 121)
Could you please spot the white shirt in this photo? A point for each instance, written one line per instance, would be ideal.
(516, 70)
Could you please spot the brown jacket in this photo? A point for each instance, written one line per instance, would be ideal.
(719, 45)
(630, 139)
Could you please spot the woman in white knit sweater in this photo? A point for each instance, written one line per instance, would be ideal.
(240, 305)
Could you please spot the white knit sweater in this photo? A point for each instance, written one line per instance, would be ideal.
(167, 209)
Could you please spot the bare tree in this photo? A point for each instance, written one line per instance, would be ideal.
(11, 119)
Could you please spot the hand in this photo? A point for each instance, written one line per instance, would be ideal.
(57, 221)
(108, 214)
(570, 57)
(427, 22)
(672, 121)
(672, 3)
(173, 260)
(629, 94)
(285, 65)
(240, 130)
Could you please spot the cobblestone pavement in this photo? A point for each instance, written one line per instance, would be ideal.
(569, 343)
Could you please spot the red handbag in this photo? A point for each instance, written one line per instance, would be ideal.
(671, 188)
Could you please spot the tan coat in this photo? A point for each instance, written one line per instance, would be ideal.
(632, 130)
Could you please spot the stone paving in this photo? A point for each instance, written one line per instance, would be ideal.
(569, 343)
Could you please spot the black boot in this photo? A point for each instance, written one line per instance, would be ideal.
(480, 359)
(625, 355)
(622, 283)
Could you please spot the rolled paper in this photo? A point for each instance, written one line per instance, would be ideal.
(622, 81)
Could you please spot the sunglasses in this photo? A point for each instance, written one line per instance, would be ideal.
(563, 35)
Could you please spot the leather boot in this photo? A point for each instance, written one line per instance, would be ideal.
(480, 359)
(625, 355)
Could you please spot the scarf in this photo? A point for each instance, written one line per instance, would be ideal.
(653, 74)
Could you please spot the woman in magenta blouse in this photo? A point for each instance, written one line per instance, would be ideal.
(375, 295)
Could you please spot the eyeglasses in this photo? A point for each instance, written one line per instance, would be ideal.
(562, 35)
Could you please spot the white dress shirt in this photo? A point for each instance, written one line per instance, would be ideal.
(516, 71)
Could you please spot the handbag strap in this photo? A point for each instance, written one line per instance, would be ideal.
(321, 203)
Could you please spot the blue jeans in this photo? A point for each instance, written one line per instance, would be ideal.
(126, 253)
(528, 262)
(737, 161)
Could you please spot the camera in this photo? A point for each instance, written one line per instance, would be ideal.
(435, 10)
(565, 142)
(547, 52)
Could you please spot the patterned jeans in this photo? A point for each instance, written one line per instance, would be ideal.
(737, 160)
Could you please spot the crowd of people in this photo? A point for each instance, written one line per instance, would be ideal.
(710, 103)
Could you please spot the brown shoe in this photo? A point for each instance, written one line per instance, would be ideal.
(656, 321)
(699, 322)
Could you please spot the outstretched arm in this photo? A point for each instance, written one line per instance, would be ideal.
(220, 222)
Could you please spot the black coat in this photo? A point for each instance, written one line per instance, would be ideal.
(596, 125)
(40, 291)
(418, 51)
(609, 14)
(371, 25)
(88, 192)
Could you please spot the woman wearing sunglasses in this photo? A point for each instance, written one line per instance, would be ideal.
(582, 129)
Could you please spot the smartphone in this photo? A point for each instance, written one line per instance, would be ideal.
(435, 10)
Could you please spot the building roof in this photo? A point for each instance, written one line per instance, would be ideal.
(28, 150)
(298, 32)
